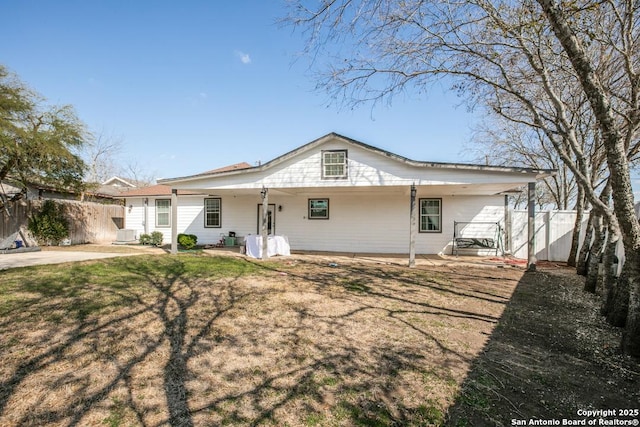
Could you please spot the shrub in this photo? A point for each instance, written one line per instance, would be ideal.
(187, 241)
(156, 238)
(145, 239)
(49, 225)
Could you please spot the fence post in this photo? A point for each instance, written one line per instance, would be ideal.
(531, 231)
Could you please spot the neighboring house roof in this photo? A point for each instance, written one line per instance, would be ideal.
(116, 181)
(154, 190)
(9, 187)
(540, 173)
(237, 166)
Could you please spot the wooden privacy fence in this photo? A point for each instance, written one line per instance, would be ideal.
(88, 222)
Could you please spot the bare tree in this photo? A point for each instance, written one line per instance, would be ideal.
(101, 155)
(531, 59)
(138, 173)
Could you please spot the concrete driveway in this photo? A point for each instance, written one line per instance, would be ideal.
(25, 259)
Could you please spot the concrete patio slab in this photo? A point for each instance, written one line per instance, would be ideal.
(26, 259)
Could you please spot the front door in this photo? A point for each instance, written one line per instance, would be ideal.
(271, 219)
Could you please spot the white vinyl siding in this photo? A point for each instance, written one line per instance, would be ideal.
(163, 213)
(212, 213)
(383, 230)
(334, 164)
(318, 208)
(430, 215)
(365, 169)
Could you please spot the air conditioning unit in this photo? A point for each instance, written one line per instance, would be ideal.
(125, 235)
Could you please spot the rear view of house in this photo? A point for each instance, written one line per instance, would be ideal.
(334, 194)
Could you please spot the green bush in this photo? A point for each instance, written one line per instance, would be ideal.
(187, 241)
(156, 238)
(145, 239)
(49, 225)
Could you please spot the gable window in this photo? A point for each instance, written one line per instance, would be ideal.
(163, 213)
(430, 215)
(318, 209)
(334, 164)
(212, 213)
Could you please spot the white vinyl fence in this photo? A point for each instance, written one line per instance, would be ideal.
(554, 231)
(553, 234)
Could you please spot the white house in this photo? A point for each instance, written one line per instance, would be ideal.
(333, 194)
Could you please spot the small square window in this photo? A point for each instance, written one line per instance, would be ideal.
(334, 164)
(318, 208)
(430, 215)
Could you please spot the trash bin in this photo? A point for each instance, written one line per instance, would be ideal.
(229, 240)
(18, 244)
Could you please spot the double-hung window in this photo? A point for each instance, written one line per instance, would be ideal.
(163, 213)
(334, 164)
(430, 215)
(212, 213)
(318, 209)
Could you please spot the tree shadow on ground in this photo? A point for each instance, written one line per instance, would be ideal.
(193, 340)
(550, 356)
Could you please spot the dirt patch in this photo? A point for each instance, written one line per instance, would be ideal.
(551, 357)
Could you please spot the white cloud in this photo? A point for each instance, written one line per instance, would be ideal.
(244, 57)
(203, 95)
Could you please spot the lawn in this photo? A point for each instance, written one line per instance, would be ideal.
(199, 340)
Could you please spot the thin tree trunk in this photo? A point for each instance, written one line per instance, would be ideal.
(610, 261)
(595, 256)
(585, 250)
(616, 299)
(577, 229)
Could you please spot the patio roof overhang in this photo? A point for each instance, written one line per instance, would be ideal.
(488, 189)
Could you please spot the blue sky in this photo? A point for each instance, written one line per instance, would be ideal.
(198, 85)
(194, 88)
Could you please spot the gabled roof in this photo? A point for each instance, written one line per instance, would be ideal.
(119, 182)
(540, 173)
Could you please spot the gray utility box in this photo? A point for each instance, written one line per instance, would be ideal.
(125, 235)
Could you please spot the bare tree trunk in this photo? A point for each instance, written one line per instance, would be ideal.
(616, 298)
(577, 229)
(585, 250)
(595, 256)
(631, 336)
(617, 162)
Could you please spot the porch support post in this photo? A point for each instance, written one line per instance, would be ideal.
(412, 228)
(506, 245)
(265, 212)
(531, 223)
(174, 221)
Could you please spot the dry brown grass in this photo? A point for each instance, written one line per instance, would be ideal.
(207, 341)
(194, 340)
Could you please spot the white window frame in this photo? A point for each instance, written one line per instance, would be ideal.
(168, 212)
(427, 215)
(208, 209)
(312, 209)
(327, 161)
